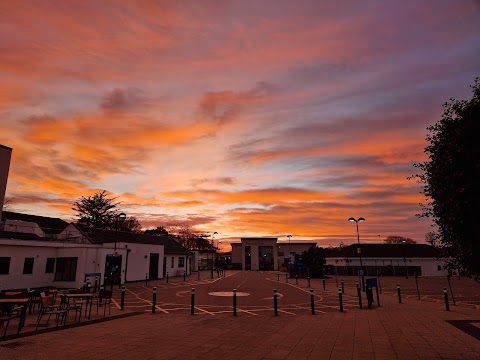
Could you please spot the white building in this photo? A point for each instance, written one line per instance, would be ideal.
(387, 259)
(54, 253)
(265, 253)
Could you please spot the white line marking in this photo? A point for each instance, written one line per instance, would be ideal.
(115, 303)
(205, 311)
(248, 312)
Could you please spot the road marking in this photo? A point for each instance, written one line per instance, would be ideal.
(286, 312)
(148, 302)
(205, 311)
(115, 303)
(248, 312)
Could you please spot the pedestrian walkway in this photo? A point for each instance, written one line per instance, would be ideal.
(411, 330)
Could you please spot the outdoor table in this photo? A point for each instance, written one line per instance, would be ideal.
(18, 301)
(86, 296)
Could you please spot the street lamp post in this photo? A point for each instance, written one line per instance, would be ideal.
(359, 250)
(118, 216)
(289, 250)
(213, 249)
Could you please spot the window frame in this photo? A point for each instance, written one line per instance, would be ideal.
(8, 261)
(172, 264)
(28, 263)
(181, 262)
(50, 265)
(66, 268)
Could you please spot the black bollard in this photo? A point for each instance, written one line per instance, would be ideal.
(88, 287)
(146, 279)
(275, 302)
(184, 275)
(154, 300)
(84, 287)
(308, 281)
(286, 278)
(312, 301)
(340, 299)
(278, 276)
(96, 285)
(323, 284)
(296, 279)
(122, 302)
(343, 287)
(234, 302)
(111, 281)
(359, 294)
(192, 308)
(378, 296)
(445, 294)
(369, 297)
(167, 277)
(198, 275)
(399, 294)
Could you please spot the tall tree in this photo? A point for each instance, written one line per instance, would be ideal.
(314, 258)
(130, 224)
(98, 210)
(450, 181)
(158, 231)
(394, 239)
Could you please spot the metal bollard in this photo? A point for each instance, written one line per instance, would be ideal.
(343, 287)
(286, 278)
(340, 299)
(278, 276)
(192, 308)
(111, 282)
(378, 296)
(88, 287)
(445, 294)
(198, 275)
(122, 302)
(359, 294)
(84, 287)
(369, 297)
(275, 302)
(312, 301)
(184, 275)
(308, 281)
(146, 279)
(234, 302)
(167, 277)
(154, 300)
(296, 279)
(399, 294)
(96, 285)
(323, 284)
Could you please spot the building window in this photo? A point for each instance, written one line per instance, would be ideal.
(28, 266)
(181, 262)
(173, 262)
(66, 269)
(4, 265)
(280, 253)
(50, 267)
(439, 267)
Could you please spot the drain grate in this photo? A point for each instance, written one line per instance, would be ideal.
(16, 344)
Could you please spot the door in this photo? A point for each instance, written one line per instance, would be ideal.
(113, 269)
(153, 269)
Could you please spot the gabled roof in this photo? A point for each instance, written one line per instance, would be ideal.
(102, 236)
(385, 251)
(47, 224)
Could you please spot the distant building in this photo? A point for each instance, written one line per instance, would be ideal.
(265, 253)
(386, 259)
(37, 251)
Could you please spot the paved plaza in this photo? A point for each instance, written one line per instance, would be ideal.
(411, 330)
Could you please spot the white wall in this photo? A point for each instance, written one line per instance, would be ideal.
(176, 270)
(18, 250)
(139, 259)
(254, 244)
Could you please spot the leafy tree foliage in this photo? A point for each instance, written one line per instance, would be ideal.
(189, 237)
(158, 231)
(98, 210)
(393, 239)
(130, 224)
(450, 180)
(314, 258)
(431, 238)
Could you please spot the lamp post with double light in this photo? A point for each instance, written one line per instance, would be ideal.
(404, 242)
(359, 250)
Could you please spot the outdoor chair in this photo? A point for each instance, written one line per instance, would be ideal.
(73, 305)
(33, 300)
(48, 308)
(7, 313)
(104, 299)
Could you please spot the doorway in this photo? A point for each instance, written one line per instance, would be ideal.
(153, 269)
(113, 269)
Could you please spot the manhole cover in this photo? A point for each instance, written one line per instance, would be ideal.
(15, 344)
(228, 293)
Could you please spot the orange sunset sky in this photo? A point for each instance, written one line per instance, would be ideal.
(249, 118)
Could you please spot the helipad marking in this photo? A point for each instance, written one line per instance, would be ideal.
(227, 293)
